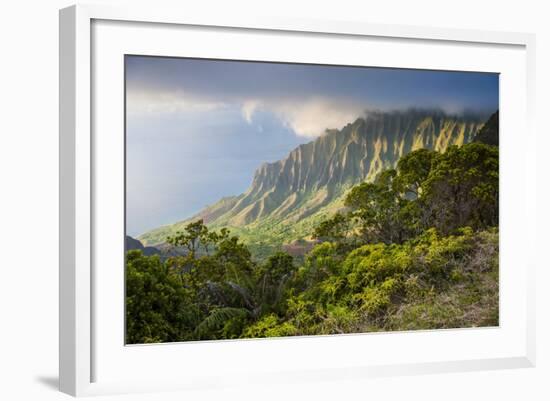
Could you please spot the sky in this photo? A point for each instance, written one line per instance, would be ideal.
(197, 129)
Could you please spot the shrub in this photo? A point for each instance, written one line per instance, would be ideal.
(269, 326)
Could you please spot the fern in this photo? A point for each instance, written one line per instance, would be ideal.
(217, 318)
(243, 292)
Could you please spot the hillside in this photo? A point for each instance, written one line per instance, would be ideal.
(134, 244)
(416, 248)
(489, 133)
(288, 197)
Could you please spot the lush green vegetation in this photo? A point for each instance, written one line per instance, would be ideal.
(417, 248)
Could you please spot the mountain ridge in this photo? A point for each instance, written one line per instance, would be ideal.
(313, 177)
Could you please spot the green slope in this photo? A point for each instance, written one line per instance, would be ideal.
(289, 197)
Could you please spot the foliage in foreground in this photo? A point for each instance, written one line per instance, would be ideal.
(416, 249)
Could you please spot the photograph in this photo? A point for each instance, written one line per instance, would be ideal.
(272, 199)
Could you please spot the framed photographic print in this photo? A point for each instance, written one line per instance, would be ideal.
(290, 200)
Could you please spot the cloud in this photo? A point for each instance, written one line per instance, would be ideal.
(307, 117)
(148, 101)
(248, 108)
(312, 117)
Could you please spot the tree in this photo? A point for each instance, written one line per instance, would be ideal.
(335, 229)
(194, 234)
(158, 307)
(377, 208)
(198, 241)
(462, 188)
(412, 170)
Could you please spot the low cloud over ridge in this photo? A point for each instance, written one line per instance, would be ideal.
(308, 117)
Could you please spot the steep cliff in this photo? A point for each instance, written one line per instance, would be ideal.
(288, 196)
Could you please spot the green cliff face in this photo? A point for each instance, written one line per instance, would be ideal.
(287, 198)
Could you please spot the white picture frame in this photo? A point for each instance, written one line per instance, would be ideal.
(81, 342)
